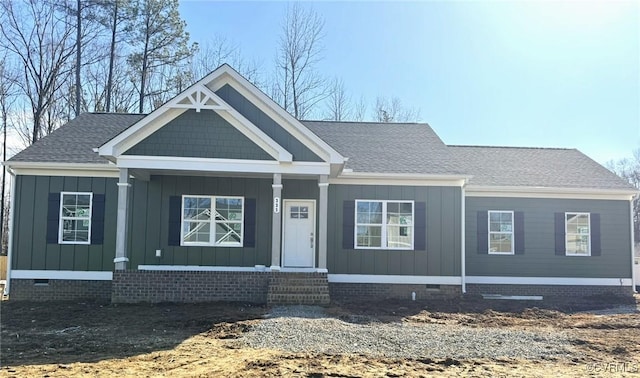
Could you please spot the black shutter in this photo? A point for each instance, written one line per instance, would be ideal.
(596, 249)
(53, 218)
(420, 241)
(348, 224)
(518, 234)
(561, 248)
(250, 222)
(97, 219)
(175, 207)
(483, 232)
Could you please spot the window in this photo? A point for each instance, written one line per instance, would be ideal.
(384, 224)
(212, 221)
(501, 232)
(75, 218)
(578, 234)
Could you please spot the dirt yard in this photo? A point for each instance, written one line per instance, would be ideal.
(464, 338)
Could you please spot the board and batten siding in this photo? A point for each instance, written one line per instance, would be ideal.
(270, 127)
(149, 225)
(539, 258)
(442, 254)
(31, 250)
(201, 134)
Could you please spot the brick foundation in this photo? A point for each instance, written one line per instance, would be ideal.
(368, 291)
(180, 286)
(59, 290)
(551, 291)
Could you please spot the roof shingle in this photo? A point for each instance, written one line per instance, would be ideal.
(411, 148)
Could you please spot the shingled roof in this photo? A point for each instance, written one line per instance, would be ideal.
(412, 148)
(74, 142)
(535, 167)
(388, 147)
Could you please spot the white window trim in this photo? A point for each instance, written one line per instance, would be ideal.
(212, 221)
(384, 225)
(61, 218)
(566, 234)
(513, 249)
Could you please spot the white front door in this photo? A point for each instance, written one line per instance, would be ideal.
(299, 237)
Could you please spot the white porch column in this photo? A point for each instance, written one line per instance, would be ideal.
(323, 186)
(121, 259)
(276, 221)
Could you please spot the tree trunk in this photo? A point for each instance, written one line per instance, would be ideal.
(78, 55)
(4, 173)
(112, 54)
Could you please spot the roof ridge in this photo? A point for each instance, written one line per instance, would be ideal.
(514, 147)
(116, 113)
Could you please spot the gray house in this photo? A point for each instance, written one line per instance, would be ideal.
(220, 194)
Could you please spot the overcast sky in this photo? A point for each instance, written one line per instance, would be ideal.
(547, 74)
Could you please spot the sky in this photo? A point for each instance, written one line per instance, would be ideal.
(500, 73)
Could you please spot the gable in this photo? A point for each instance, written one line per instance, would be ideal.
(257, 107)
(270, 127)
(203, 134)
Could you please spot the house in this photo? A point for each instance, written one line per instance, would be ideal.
(220, 194)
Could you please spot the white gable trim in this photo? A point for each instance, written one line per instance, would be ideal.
(197, 97)
(227, 75)
(222, 165)
(549, 192)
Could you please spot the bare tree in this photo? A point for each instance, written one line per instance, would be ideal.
(8, 79)
(392, 110)
(220, 50)
(41, 38)
(158, 38)
(338, 102)
(360, 110)
(629, 169)
(299, 86)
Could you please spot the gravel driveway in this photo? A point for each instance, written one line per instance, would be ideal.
(309, 329)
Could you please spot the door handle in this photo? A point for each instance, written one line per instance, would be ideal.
(311, 239)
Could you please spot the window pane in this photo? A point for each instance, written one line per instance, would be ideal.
(500, 243)
(196, 208)
(228, 233)
(399, 213)
(196, 232)
(369, 212)
(399, 237)
(228, 209)
(369, 236)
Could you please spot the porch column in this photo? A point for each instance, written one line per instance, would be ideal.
(323, 186)
(121, 259)
(276, 221)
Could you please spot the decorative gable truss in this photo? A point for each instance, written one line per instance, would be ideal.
(200, 97)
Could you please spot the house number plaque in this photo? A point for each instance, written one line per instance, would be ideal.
(276, 205)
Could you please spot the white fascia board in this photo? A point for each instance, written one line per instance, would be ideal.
(61, 275)
(565, 281)
(398, 179)
(221, 165)
(200, 268)
(393, 279)
(24, 168)
(226, 75)
(549, 192)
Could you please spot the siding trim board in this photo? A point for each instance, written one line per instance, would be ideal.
(574, 281)
(549, 192)
(62, 275)
(394, 279)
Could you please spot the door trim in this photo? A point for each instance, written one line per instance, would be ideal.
(284, 229)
